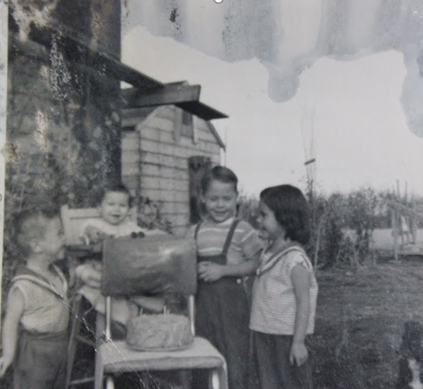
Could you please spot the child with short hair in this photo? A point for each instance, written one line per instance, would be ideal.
(228, 249)
(114, 209)
(37, 315)
(284, 292)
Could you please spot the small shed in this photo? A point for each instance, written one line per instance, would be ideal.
(165, 150)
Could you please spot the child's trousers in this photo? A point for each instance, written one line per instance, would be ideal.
(275, 370)
(41, 361)
(222, 317)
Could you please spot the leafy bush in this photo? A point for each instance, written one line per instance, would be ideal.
(341, 224)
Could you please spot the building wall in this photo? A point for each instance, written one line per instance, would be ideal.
(60, 147)
(156, 164)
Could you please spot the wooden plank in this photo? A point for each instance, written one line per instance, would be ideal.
(154, 134)
(157, 123)
(129, 144)
(163, 171)
(164, 184)
(133, 135)
(163, 160)
(168, 112)
(183, 151)
(177, 127)
(202, 110)
(216, 135)
(171, 125)
(172, 208)
(206, 134)
(130, 156)
(130, 169)
(161, 195)
(131, 117)
(168, 94)
(131, 182)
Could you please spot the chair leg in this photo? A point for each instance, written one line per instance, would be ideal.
(73, 338)
(214, 379)
(184, 379)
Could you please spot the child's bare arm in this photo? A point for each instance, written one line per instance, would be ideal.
(210, 272)
(90, 274)
(15, 308)
(301, 282)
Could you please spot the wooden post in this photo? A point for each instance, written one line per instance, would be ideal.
(414, 223)
(4, 30)
(394, 232)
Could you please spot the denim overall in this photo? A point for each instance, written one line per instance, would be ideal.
(222, 317)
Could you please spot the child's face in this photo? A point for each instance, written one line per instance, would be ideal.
(220, 200)
(114, 207)
(270, 229)
(53, 243)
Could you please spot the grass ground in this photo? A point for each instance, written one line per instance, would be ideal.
(360, 321)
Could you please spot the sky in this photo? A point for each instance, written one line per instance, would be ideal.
(351, 109)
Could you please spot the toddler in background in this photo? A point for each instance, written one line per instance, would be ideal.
(37, 315)
(285, 291)
(114, 209)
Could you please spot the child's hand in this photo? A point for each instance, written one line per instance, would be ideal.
(90, 274)
(93, 235)
(298, 354)
(209, 271)
(5, 362)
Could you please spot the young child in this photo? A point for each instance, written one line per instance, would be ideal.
(114, 209)
(37, 316)
(228, 249)
(284, 292)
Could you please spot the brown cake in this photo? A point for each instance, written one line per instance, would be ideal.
(159, 333)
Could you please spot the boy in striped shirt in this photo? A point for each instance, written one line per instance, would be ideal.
(227, 250)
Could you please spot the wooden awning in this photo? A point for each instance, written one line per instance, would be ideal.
(145, 91)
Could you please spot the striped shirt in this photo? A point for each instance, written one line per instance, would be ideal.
(43, 312)
(212, 236)
(273, 303)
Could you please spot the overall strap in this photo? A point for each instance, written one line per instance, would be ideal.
(229, 237)
(39, 284)
(197, 228)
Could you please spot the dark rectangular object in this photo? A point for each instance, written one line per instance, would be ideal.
(149, 266)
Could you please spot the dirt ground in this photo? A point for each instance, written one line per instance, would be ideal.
(359, 325)
(360, 320)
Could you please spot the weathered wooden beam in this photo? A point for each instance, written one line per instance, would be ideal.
(180, 94)
(105, 65)
(169, 94)
(201, 110)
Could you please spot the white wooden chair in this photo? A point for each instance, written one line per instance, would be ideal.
(110, 358)
(115, 357)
